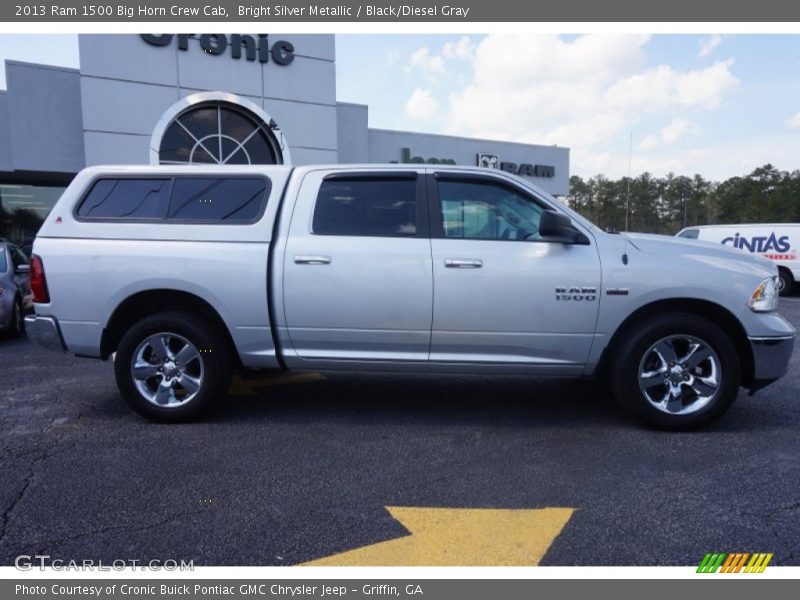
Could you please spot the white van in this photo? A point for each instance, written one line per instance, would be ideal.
(779, 242)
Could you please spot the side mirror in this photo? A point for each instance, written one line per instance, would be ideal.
(23, 269)
(557, 227)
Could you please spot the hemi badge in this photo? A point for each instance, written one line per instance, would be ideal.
(616, 291)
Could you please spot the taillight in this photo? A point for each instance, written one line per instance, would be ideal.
(38, 281)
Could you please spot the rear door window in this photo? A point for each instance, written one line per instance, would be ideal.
(126, 199)
(380, 206)
(223, 199)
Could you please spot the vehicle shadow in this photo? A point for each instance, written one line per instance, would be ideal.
(427, 399)
(494, 401)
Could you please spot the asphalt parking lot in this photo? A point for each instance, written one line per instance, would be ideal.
(300, 468)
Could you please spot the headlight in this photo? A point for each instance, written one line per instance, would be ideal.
(765, 296)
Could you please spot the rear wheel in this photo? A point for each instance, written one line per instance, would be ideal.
(172, 366)
(676, 371)
(785, 281)
(17, 324)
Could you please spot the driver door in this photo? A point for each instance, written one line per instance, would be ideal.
(495, 279)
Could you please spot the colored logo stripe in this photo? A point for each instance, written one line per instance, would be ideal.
(758, 563)
(734, 562)
(711, 563)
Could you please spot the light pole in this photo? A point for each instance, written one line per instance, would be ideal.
(683, 199)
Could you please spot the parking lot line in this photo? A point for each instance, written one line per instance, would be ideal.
(461, 537)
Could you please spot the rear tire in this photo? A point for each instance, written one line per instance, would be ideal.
(17, 325)
(676, 371)
(785, 282)
(172, 366)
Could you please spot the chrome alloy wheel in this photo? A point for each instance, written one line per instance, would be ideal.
(167, 370)
(680, 374)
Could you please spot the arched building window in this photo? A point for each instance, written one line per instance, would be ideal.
(217, 128)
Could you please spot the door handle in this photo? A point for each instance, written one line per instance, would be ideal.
(463, 263)
(312, 259)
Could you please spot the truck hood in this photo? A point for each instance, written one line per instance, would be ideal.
(707, 252)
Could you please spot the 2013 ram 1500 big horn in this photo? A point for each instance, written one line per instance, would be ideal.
(183, 274)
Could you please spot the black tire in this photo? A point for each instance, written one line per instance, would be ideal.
(632, 352)
(786, 282)
(17, 325)
(213, 357)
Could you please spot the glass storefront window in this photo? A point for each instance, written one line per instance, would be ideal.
(23, 208)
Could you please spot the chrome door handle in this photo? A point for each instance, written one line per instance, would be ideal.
(315, 259)
(463, 263)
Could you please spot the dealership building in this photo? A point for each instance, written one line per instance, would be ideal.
(225, 99)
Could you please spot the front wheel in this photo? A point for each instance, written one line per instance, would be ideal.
(677, 371)
(171, 367)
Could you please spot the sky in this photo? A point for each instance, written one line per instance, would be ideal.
(718, 105)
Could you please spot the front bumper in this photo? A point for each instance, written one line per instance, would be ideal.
(771, 357)
(44, 331)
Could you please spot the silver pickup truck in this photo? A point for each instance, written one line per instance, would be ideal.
(183, 274)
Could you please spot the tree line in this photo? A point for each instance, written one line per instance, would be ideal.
(667, 204)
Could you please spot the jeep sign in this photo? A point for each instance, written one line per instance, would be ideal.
(406, 158)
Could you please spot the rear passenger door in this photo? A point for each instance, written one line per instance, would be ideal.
(357, 281)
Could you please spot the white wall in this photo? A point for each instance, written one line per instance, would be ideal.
(127, 84)
(43, 112)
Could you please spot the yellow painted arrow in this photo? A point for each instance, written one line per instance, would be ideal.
(246, 387)
(461, 537)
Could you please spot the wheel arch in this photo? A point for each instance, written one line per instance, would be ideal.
(149, 302)
(716, 313)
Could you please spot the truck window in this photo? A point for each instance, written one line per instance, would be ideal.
(691, 234)
(126, 199)
(216, 199)
(383, 207)
(3, 261)
(487, 211)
